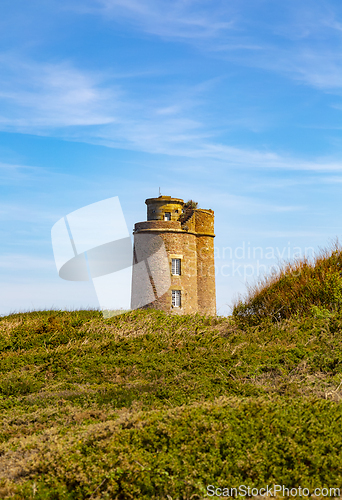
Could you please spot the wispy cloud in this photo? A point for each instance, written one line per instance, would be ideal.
(186, 19)
(320, 68)
(190, 139)
(51, 95)
(63, 101)
(302, 43)
(10, 173)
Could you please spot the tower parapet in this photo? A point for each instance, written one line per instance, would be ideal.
(187, 235)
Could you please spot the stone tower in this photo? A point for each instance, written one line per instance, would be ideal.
(174, 268)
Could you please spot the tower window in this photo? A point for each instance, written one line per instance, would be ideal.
(176, 298)
(176, 267)
(167, 216)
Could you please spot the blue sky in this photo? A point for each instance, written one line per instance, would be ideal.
(236, 105)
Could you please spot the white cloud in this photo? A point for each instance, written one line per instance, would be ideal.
(310, 62)
(51, 95)
(320, 68)
(301, 41)
(62, 101)
(186, 19)
(11, 173)
(170, 110)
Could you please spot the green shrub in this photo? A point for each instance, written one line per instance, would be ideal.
(190, 204)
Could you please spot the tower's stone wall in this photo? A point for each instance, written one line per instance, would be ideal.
(182, 246)
(206, 290)
(204, 221)
(190, 240)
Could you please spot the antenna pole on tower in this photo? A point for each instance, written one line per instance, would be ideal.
(159, 192)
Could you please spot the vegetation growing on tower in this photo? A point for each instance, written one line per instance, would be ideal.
(188, 210)
(190, 204)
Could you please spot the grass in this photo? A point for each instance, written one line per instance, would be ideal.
(300, 286)
(145, 405)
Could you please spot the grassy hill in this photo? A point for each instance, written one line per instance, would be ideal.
(151, 406)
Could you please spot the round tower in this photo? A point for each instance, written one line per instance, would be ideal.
(167, 259)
